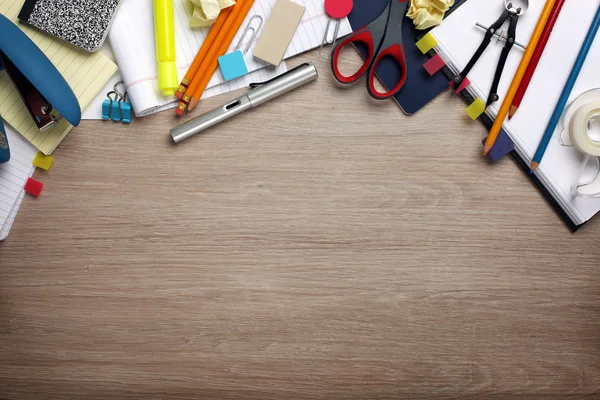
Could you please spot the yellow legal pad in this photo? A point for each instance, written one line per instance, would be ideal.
(86, 73)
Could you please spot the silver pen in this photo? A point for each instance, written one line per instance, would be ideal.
(258, 94)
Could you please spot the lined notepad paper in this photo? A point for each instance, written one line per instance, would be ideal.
(132, 40)
(85, 72)
(13, 176)
(458, 38)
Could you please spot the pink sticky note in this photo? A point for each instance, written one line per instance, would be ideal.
(462, 86)
(434, 64)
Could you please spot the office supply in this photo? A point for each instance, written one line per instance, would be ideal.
(164, 26)
(33, 187)
(233, 65)
(83, 23)
(208, 42)
(85, 73)
(536, 58)
(456, 42)
(383, 38)
(209, 64)
(42, 161)
(206, 12)
(566, 93)
(514, 86)
(279, 31)
(576, 132)
(512, 14)
(4, 149)
(42, 89)
(116, 107)
(336, 10)
(501, 36)
(13, 176)
(134, 49)
(258, 94)
(420, 88)
(428, 13)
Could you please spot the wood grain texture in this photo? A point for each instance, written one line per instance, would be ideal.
(319, 247)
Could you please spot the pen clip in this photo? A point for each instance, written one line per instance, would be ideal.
(257, 84)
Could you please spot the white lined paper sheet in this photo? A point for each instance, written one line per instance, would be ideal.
(13, 176)
(132, 40)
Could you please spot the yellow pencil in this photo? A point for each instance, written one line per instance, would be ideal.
(514, 86)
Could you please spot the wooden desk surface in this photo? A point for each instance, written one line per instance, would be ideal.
(320, 247)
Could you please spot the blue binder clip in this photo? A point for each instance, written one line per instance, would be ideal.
(116, 107)
(42, 88)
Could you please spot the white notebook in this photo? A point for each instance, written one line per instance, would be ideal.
(13, 176)
(459, 38)
(132, 41)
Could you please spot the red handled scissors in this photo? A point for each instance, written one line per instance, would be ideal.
(383, 38)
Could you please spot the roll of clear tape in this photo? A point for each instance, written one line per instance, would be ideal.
(577, 122)
(580, 127)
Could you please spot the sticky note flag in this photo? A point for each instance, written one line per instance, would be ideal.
(233, 65)
(502, 147)
(465, 83)
(434, 64)
(42, 161)
(33, 187)
(476, 109)
(427, 43)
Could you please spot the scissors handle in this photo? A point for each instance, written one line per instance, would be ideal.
(363, 36)
(392, 47)
(398, 54)
(371, 36)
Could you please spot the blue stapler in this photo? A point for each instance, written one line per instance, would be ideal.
(42, 88)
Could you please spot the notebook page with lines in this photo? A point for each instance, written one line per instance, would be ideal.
(132, 40)
(13, 176)
(85, 72)
(459, 38)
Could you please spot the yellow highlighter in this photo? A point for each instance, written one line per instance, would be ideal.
(164, 26)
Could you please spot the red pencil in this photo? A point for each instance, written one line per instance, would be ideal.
(539, 50)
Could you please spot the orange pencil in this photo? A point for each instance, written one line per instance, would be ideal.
(214, 63)
(210, 38)
(212, 54)
(512, 91)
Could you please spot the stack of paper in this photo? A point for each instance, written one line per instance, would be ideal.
(13, 176)
(132, 40)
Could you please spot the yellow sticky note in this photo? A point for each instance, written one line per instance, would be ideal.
(43, 161)
(427, 43)
(476, 109)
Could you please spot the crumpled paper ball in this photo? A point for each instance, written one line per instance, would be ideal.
(428, 13)
(205, 12)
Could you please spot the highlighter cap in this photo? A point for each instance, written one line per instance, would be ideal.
(167, 78)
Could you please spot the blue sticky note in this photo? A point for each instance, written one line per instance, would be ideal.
(233, 65)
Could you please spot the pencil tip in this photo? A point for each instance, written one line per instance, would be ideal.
(487, 149)
(192, 104)
(534, 166)
(513, 110)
